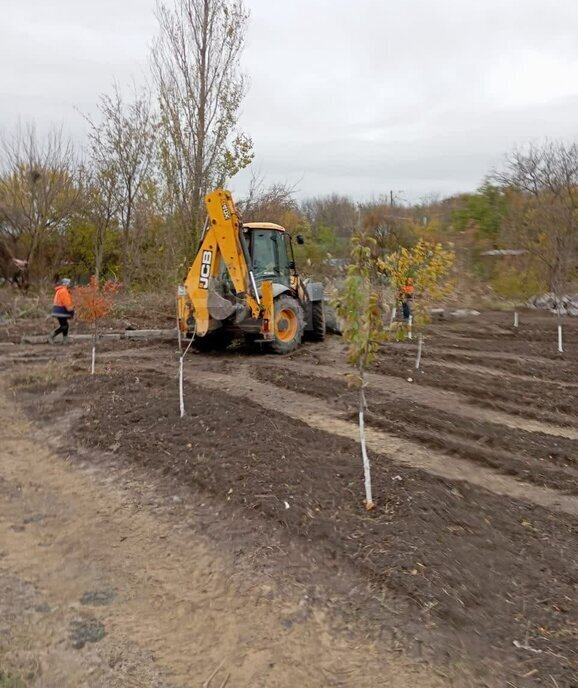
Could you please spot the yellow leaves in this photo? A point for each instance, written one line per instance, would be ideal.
(362, 302)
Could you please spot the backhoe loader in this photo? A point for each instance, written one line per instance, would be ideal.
(244, 283)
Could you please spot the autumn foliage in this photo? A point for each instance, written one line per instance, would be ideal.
(94, 301)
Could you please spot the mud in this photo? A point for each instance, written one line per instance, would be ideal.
(477, 579)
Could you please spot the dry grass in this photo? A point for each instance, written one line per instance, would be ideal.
(45, 376)
(10, 680)
(15, 305)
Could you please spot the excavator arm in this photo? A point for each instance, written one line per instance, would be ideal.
(223, 241)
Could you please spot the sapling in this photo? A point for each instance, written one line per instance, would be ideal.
(429, 265)
(361, 305)
(181, 377)
(93, 303)
(367, 318)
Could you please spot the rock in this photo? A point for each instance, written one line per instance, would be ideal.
(463, 313)
(545, 301)
(150, 334)
(567, 304)
(438, 313)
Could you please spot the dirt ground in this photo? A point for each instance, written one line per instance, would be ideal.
(141, 549)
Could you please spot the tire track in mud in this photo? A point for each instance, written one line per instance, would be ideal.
(436, 398)
(320, 415)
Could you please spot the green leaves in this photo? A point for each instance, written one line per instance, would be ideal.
(362, 304)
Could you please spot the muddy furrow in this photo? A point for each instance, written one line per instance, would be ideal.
(176, 612)
(322, 416)
(440, 347)
(495, 372)
(435, 397)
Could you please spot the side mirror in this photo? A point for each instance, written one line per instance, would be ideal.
(300, 239)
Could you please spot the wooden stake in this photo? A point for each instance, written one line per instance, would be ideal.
(560, 347)
(93, 367)
(516, 319)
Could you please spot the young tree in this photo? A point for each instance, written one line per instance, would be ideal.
(122, 149)
(39, 190)
(195, 64)
(428, 264)
(93, 303)
(361, 305)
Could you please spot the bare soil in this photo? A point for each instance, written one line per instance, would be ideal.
(464, 574)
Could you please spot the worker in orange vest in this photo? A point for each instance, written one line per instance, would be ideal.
(62, 309)
(406, 296)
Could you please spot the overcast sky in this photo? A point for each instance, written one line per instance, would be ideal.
(353, 96)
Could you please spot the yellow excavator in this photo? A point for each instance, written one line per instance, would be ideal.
(244, 283)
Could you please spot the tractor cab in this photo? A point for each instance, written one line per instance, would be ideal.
(271, 252)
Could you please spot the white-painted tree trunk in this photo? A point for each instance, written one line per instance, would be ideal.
(94, 338)
(516, 319)
(366, 467)
(419, 348)
(181, 386)
(182, 376)
(410, 328)
(560, 343)
(179, 334)
(393, 314)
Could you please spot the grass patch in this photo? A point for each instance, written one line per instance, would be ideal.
(9, 680)
(40, 377)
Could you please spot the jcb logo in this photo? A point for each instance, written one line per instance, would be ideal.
(206, 260)
(226, 212)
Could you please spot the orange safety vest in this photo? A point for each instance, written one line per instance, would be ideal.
(62, 298)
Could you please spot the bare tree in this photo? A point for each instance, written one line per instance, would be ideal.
(122, 149)
(267, 203)
(102, 202)
(542, 207)
(39, 190)
(195, 64)
(337, 212)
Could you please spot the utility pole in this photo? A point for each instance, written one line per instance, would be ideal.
(391, 198)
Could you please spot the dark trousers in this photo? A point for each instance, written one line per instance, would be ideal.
(62, 329)
(406, 310)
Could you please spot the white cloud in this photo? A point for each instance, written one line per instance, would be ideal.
(356, 96)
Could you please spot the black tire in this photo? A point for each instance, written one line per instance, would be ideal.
(281, 345)
(317, 334)
(213, 341)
